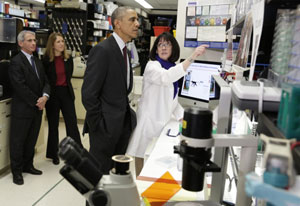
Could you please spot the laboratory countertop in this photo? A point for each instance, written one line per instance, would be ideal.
(4, 97)
(161, 160)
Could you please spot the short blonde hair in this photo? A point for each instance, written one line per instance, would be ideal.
(50, 43)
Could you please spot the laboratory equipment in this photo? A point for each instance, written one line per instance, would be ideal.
(278, 161)
(82, 171)
(278, 176)
(9, 34)
(79, 66)
(288, 115)
(195, 145)
(257, 188)
(196, 159)
(281, 49)
(293, 75)
(41, 36)
(255, 94)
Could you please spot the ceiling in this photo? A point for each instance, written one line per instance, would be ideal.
(159, 6)
(167, 7)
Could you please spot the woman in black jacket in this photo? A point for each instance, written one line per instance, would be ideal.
(59, 68)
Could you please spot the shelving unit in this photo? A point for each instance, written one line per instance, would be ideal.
(30, 23)
(82, 27)
(71, 23)
(98, 25)
(142, 43)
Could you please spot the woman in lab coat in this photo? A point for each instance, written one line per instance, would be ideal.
(159, 102)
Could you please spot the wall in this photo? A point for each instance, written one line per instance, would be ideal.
(210, 55)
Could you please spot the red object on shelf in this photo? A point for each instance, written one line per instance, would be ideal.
(160, 29)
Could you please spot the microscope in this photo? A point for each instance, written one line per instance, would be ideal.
(82, 171)
(195, 149)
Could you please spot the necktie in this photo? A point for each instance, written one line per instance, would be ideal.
(125, 56)
(33, 66)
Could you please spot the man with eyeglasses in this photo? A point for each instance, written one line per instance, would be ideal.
(30, 94)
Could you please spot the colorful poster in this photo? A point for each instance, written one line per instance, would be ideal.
(206, 23)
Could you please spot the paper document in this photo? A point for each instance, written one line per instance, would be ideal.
(191, 32)
(211, 33)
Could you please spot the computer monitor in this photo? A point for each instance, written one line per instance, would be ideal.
(198, 86)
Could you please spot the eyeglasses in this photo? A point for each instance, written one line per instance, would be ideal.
(166, 45)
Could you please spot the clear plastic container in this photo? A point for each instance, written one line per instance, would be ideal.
(282, 46)
(293, 74)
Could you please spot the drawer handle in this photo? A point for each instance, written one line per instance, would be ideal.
(8, 115)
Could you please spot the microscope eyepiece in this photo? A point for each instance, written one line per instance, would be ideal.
(81, 169)
(121, 164)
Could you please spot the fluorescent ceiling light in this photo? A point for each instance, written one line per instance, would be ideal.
(40, 1)
(144, 3)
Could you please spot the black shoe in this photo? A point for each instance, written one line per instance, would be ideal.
(33, 171)
(18, 179)
(55, 161)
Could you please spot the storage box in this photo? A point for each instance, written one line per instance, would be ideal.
(160, 29)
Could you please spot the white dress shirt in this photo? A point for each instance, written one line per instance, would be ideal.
(121, 45)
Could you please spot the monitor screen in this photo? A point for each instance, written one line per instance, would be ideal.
(8, 31)
(198, 86)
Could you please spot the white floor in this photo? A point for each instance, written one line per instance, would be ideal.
(48, 189)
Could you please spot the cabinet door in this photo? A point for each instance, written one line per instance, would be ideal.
(4, 156)
(2, 109)
(80, 111)
(4, 130)
(4, 121)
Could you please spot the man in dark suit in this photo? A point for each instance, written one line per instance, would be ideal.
(107, 82)
(30, 94)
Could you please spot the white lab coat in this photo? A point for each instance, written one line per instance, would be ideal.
(156, 105)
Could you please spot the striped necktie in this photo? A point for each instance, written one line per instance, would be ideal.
(33, 66)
